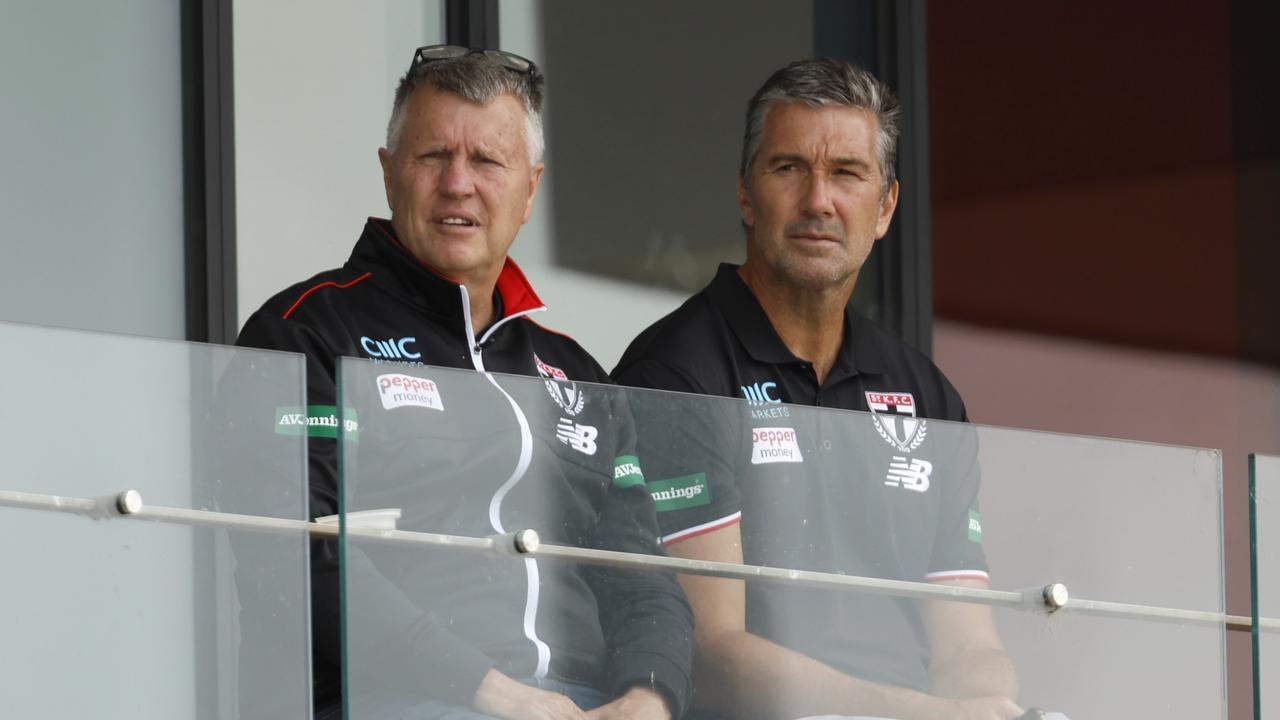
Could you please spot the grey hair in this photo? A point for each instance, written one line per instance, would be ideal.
(826, 82)
(478, 78)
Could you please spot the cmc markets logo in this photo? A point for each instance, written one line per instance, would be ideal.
(408, 391)
(760, 393)
(391, 348)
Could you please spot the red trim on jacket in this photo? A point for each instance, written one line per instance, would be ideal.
(329, 283)
(514, 288)
(516, 292)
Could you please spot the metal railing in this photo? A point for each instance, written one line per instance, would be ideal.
(1051, 597)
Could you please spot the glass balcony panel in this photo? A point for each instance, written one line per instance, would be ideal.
(461, 460)
(168, 617)
(1264, 491)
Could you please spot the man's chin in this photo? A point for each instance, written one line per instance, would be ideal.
(813, 275)
(452, 260)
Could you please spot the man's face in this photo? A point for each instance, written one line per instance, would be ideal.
(460, 183)
(813, 205)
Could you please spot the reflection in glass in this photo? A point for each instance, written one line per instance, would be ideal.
(477, 455)
(119, 618)
(1264, 493)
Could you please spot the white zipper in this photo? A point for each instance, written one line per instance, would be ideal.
(474, 345)
(522, 466)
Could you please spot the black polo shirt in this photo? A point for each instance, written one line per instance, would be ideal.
(891, 493)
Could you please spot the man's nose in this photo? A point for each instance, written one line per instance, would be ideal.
(817, 196)
(457, 179)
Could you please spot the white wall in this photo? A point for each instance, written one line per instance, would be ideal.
(1065, 385)
(91, 166)
(314, 81)
(98, 614)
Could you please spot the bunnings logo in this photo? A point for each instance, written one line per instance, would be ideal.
(626, 471)
(680, 493)
(975, 527)
(317, 421)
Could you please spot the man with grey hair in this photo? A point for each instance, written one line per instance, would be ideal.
(816, 189)
(434, 287)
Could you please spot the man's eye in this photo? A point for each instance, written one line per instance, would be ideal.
(788, 167)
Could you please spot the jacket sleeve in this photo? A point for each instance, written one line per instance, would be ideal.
(414, 647)
(646, 620)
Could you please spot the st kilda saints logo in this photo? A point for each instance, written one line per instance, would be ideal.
(895, 418)
(561, 389)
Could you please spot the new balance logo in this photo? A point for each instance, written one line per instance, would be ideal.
(909, 474)
(579, 437)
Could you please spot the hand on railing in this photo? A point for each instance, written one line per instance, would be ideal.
(986, 708)
(1038, 714)
(637, 704)
(502, 697)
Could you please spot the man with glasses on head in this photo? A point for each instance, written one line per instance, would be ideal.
(816, 189)
(434, 286)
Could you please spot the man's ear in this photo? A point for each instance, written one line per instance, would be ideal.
(887, 205)
(384, 158)
(535, 177)
(744, 204)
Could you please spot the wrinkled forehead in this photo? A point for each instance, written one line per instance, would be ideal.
(440, 114)
(818, 131)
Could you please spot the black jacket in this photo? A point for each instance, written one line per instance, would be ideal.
(602, 628)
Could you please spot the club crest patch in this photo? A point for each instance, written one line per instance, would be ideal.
(562, 390)
(895, 418)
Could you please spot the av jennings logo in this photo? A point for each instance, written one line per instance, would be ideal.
(680, 493)
(317, 421)
(627, 472)
(975, 527)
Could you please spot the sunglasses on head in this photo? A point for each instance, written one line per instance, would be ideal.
(432, 53)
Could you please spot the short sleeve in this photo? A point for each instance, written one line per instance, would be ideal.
(957, 551)
(687, 440)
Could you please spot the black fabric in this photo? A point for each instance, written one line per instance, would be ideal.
(815, 489)
(606, 629)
